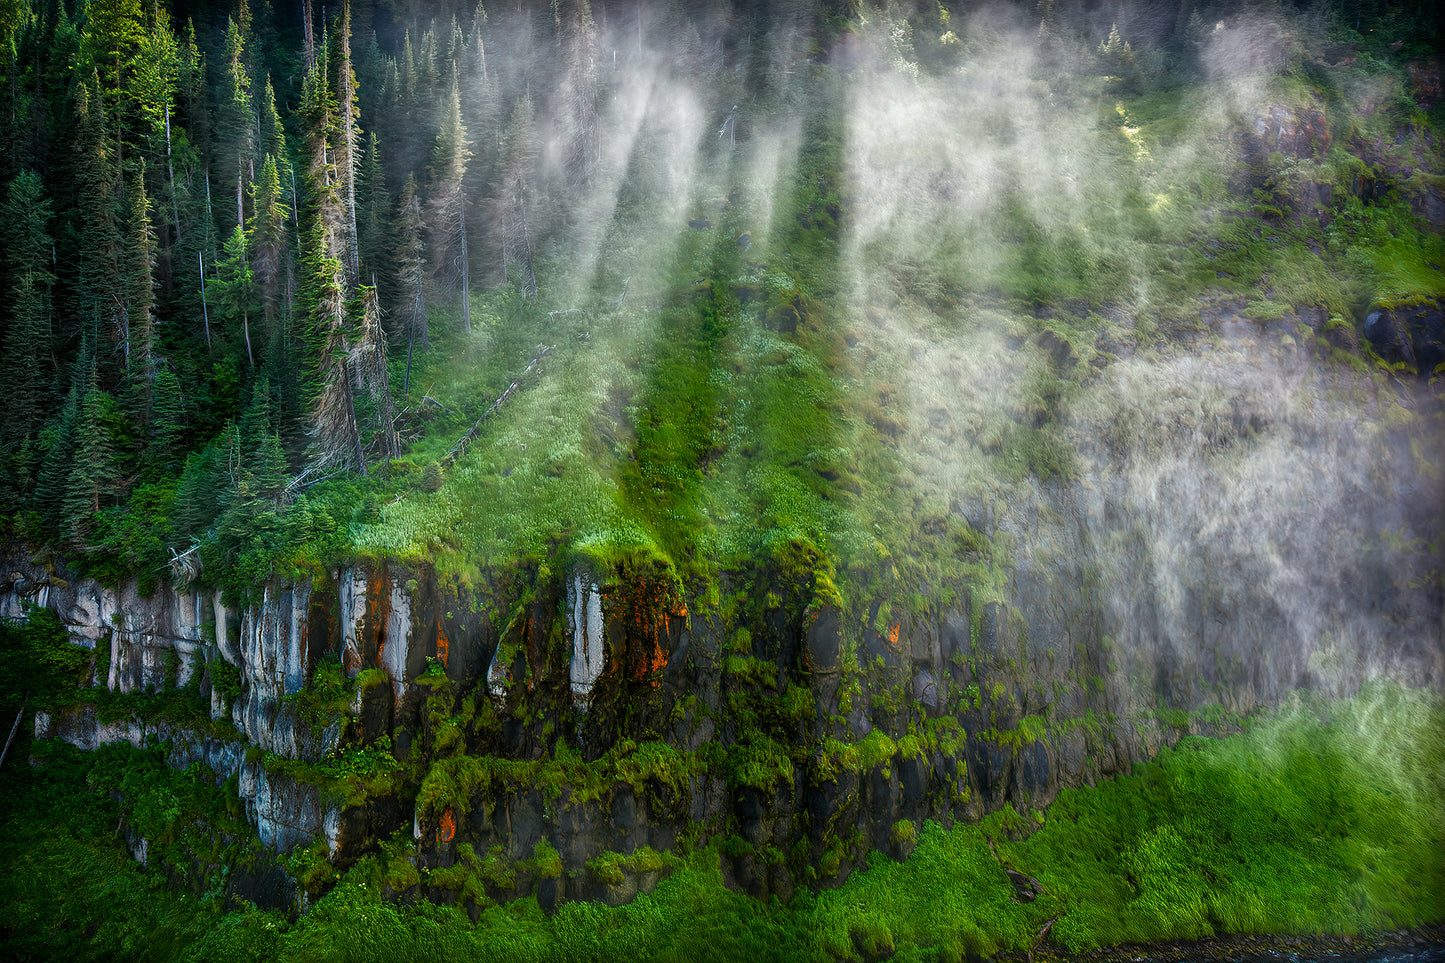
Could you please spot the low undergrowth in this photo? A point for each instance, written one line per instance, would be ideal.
(1322, 818)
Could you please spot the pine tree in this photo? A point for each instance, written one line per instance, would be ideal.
(578, 111)
(374, 221)
(235, 288)
(24, 230)
(236, 123)
(140, 296)
(100, 295)
(92, 477)
(269, 240)
(447, 208)
(368, 361)
(328, 389)
(410, 263)
(346, 137)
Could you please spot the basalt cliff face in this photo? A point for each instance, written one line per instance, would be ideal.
(1250, 523)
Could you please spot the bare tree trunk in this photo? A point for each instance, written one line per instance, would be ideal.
(13, 729)
(346, 97)
(171, 170)
(310, 45)
(205, 311)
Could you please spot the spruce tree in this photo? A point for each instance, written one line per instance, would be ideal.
(410, 255)
(140, 296)
(114, 32)
(168, 423)
(24, 230)
(96, 176)
(373, 215)
(92, 478)
(368, 361)
(191, 93)
(57, 439)
(447, 207)
(270, 241)
(236, 122)
(235, 288)
(516, 167)
(345, 139)
(328, 389)
(578, 93)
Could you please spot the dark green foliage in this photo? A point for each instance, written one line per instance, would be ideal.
(731, 403)
(1321, 819)
(40, 668)
(28, 354)
(92, 478)
(373, 215)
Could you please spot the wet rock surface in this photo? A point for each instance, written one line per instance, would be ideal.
(1224, 552)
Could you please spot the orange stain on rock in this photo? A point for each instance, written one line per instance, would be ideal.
(375, 599)
(893, 631)
(443, 647)
(448, 829)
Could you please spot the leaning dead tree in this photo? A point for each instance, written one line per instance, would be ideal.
(460, 448)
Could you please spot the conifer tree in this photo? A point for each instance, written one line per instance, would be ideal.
(517, 163)
(92, 477)
(114, 32)
(410, 263)
(168, 421)
(236, 123)
(100, 294)
(58, 441)
(447, 208)
(578, 110)
(191, 93)
(328, 395)
(346, 136)
(140, 296)
(273, 134)
(24, 230)
(368, 361)
(153, 81)
(269, 241)
(374, 221)
(235, 288)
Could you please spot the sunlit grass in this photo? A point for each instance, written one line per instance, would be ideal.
(1321, 818)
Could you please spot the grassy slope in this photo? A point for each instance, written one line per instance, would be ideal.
(1319, 819)
(681, 425)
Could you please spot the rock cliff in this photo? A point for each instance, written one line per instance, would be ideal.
(1234, 532)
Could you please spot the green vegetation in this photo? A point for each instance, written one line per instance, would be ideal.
(1323, 818)
(702, 407)
(828, 353)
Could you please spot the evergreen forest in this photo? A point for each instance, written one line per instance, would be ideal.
(643, 479)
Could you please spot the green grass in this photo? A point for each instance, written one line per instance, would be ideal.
(1319, 819)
